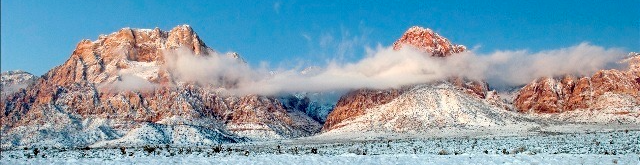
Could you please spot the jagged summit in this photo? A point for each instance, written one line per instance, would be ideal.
(427, 40)
(129, 48)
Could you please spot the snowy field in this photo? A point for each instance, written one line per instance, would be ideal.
(546, 147)
(353, 159)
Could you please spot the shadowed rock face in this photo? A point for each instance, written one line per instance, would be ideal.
(554, 95)
(356, 102)
(75, 90)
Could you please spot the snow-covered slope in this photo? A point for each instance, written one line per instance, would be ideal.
(12, 81)
(430, 106)
(176, 135)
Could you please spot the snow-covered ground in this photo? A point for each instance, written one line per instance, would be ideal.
(554, 145)
(353, 159)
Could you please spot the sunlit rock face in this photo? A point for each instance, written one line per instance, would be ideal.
(605, 89)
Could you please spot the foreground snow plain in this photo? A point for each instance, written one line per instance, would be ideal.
(552, 145)
(469, 159)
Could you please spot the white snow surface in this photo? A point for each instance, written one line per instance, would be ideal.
(144, 70)
(353, 159)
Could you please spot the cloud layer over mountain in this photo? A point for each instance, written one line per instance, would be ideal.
(384, 67)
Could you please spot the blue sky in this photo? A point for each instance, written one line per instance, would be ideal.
(39, 35)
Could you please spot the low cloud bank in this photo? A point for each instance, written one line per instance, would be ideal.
(384, 67)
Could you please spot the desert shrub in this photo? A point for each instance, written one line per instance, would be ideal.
(123, 151)
(356, 149)
(519, 150)
(149, 149)
(278, 149)
(36, 151)
(443, 152)
(504, 151)
(217, 149)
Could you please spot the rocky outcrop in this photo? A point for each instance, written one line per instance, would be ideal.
(568, 93)
(428, 41)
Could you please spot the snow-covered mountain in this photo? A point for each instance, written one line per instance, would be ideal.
(118, 90)
(360, 103)
(423, 107)
(609, 96)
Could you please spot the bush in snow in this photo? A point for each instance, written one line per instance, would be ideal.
(357, 149)
(443, 152)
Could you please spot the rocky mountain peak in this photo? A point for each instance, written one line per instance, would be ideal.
(429, 41)
(102, 60)
(122, 77)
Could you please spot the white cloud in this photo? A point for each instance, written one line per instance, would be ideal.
(384, 67)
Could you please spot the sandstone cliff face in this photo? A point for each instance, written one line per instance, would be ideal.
(99, 61)
(75, 90)
(428, 41)
(568, 93)
(354, 104)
